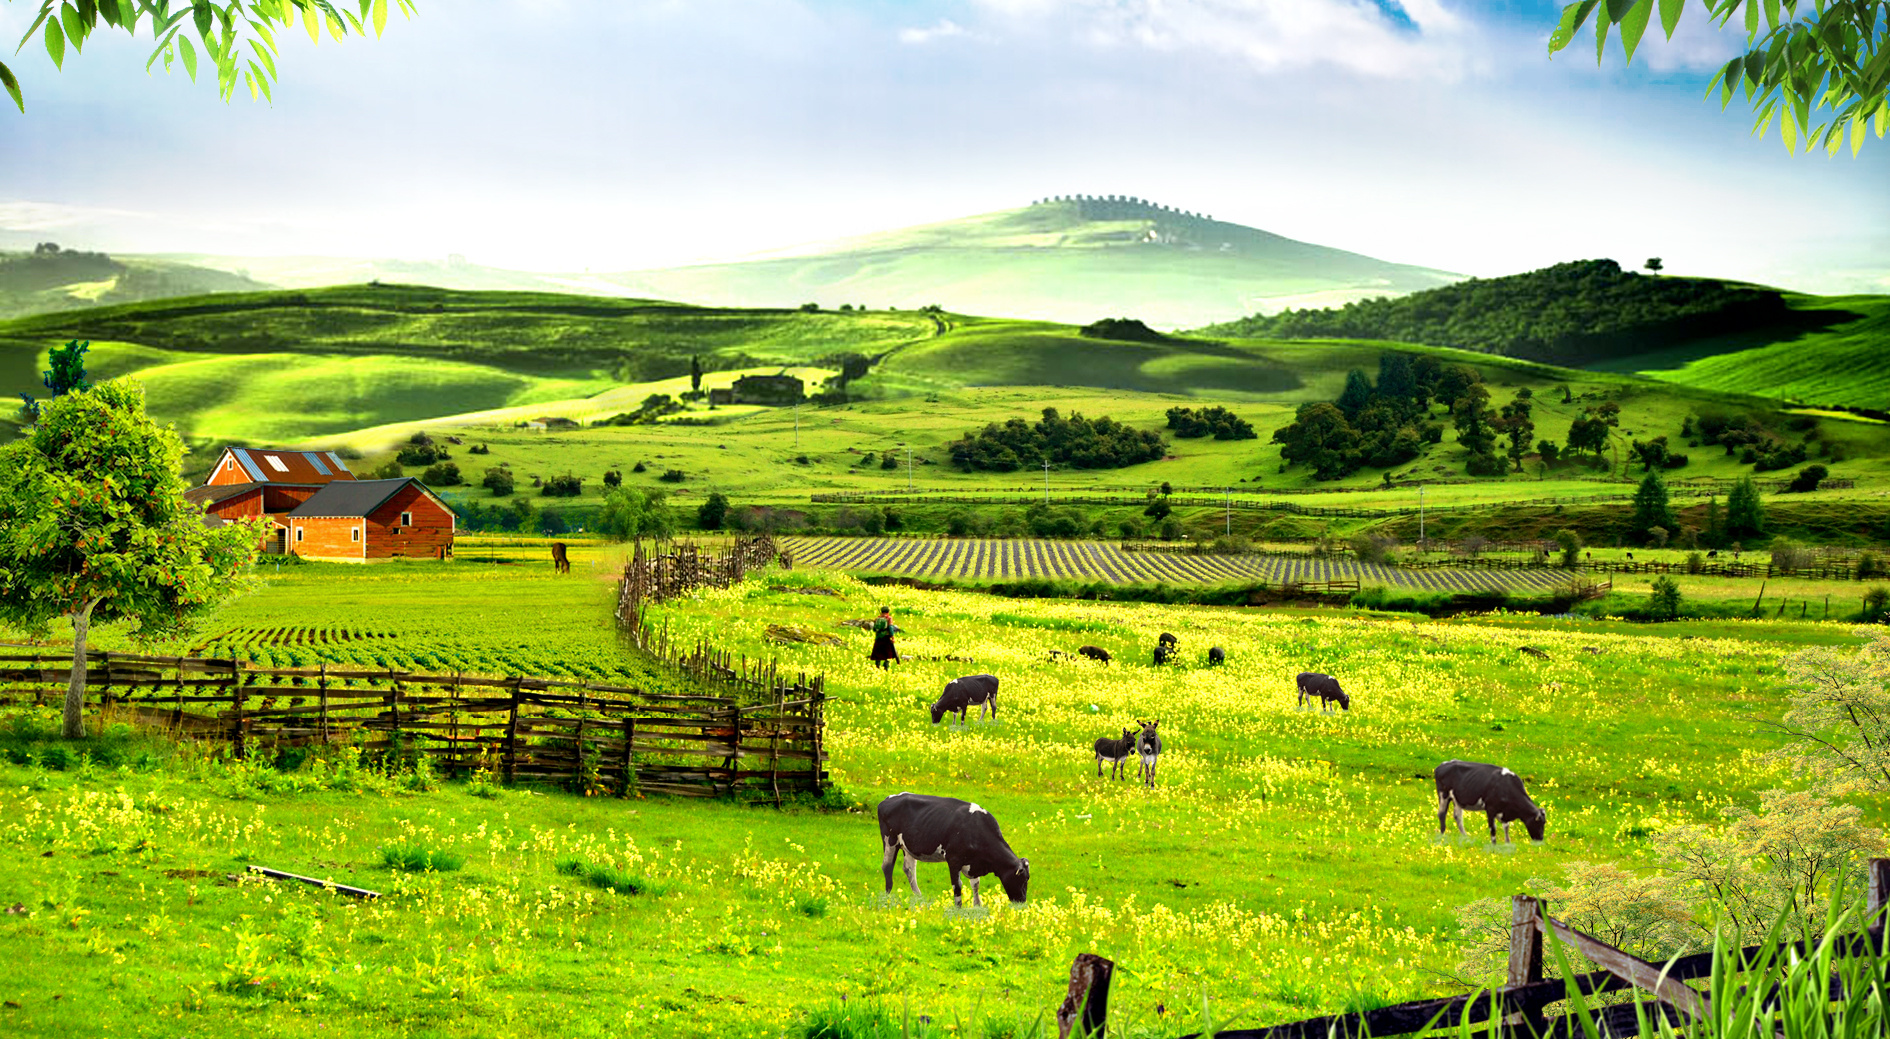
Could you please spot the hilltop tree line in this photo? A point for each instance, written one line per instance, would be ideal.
(1570, 313)
(1214, 421)
(1076, 442)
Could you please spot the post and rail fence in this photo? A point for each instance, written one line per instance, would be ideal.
(1516, 1009)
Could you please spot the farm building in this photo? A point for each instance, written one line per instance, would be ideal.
(367, 521)
(248, 482)
(772, 390)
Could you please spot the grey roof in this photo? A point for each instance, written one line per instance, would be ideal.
(351, 499)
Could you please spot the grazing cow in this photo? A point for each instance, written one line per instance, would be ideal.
(560, 562)
(1714, 554)
(1325, 687)
(1216, 656)
(1169, 639)
(1534, 652)
(1148, 744)
(1163, 653)
(1096, 653)
(1495, 790)
(1116, 752)
(962, 694)
(1630, 555)
(958, 833)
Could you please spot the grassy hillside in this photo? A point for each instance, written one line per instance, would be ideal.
(53, 279)
(1074, 261)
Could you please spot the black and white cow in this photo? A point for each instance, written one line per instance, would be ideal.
(1096, 653)
(958, 833)
(1116, 752)
(1148, 744)
(1216, 656)
(1325, 687)
(962, 694)
(1490, 788)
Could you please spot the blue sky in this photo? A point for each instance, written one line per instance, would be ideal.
(564, 134)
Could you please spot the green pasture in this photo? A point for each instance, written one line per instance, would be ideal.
(1284, 864)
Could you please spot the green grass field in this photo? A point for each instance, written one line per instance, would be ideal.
(1285, 863)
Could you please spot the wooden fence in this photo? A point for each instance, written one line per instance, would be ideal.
(594, 737)
(653, 576)
(1517, 1007)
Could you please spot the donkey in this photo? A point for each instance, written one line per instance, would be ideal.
(1148, 744)
(1116, 752)
(560, 563)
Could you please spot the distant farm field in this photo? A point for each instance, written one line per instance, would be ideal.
(1285, 863)
(1012, 559)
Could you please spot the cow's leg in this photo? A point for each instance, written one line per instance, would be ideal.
(958, 889)
(892, 856)
(1443, 812)
(912, 873)
(1491, 816)
(1506, 839)
(1457, 806)
(1099, 766)
(974, 886)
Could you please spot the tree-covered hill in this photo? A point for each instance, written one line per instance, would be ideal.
(50, 278)
(1572, 314)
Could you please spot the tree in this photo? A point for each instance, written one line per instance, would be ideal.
(1588, 433)
(1571, 545)
(1548, 451)
(239, 40)
(613, 478)
(1715, 532)
(1357, 393)
(1653, 264)
(1804, 57)
(94, 526)
(695, 373)
(1518, 427)
(1650, 507)
(442, 474)
(1320, 437)
(630, 513)
(713, 511)
(1839, 719)
(1663, 600)
(499, 481)
(67, 374)
(1745, 515)
(1809, 478)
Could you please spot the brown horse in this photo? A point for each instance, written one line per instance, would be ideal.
(559, 561)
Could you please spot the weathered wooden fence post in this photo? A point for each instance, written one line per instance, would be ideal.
(629, 755)
(511, 735)
(1525, 962)
(236, 710)
(1086, 1008)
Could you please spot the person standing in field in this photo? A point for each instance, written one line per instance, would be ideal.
(883, 628)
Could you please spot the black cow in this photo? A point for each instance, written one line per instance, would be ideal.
(1116, 752)
(1094, 653)
(1167, 638)
(1491, 788)
(1325, 687)
(1216, 656)
(1163, 653)
(1148, 744)
(962, 694)
(958, 833)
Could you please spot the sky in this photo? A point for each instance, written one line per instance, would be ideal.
(565, 135)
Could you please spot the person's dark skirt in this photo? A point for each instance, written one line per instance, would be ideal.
(883, 648)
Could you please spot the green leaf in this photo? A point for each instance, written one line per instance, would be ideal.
(1788, 130)
(1601, 39)
(1634, 25)
(189, 54)
(380, 16)
(1752, 20)
(204, 14)
(55, 43)
(12, 85)
(75, 28)
(1573, 17)
(1670, 15)
(1771, 14)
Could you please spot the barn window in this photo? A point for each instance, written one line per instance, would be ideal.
(406, 519)
(298, 533)
(357, 533)
(276, 464)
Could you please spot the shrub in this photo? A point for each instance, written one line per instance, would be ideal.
(566, 486)
(1171, 529)
(1869, 566)
(613, 479)
(1877, 605)
(1663, 603)
(1789, 555)
(639, 468)
(419, 454)
(443, 474)
(417, 858)
(1695, 562)
(390, 471)
(499, 481)
(673, 476)
(713, 511)
(1133, 528)
(1571, 545)
(1369, 549)
(1809, 478)
(609, 878)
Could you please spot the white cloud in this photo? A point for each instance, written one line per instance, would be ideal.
(1430, 42)
(944, 28)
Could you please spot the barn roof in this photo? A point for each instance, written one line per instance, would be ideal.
(354, 499)
(264, 465)
(211, 493)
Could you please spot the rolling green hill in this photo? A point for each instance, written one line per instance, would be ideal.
(49, 279)
(1071, 260)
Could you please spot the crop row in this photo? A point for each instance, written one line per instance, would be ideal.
(1015, 559)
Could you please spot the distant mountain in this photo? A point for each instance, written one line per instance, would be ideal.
(1072, 259)
(48, 279)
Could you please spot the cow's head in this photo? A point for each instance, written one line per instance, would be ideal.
(1345, 702)
(1536, 824)
(1016, 881)
(938, 712)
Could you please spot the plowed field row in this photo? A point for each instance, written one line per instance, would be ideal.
(1014, 559)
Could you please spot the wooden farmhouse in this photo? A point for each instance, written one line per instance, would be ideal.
(318, 510)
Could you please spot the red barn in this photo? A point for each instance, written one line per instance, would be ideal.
(401, 520)
(366, 521)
